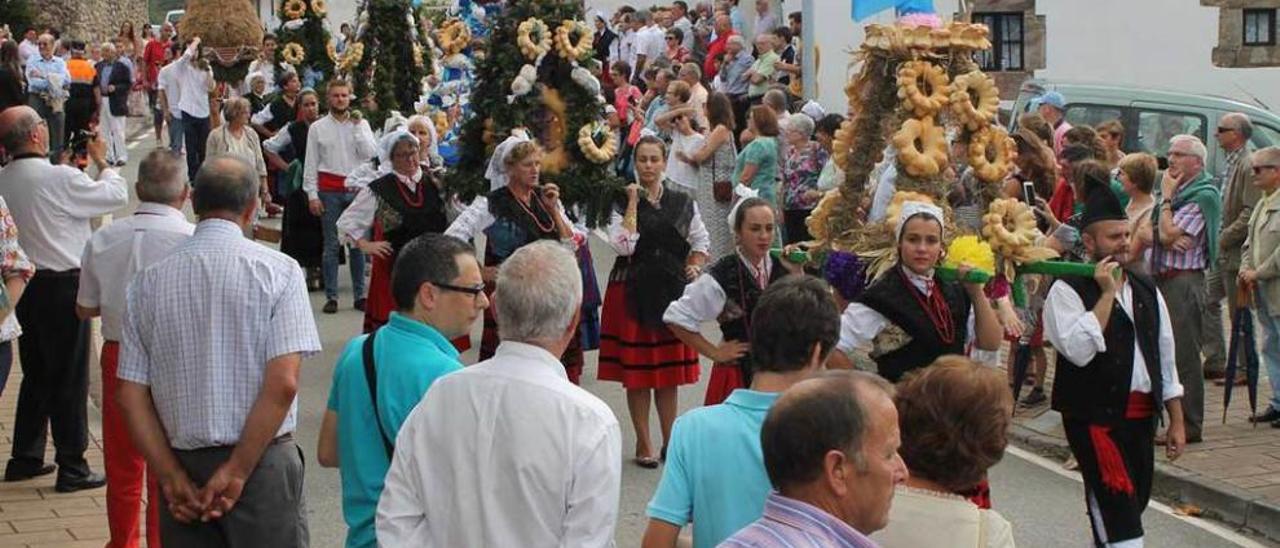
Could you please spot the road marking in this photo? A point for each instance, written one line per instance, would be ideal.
(1222, 531)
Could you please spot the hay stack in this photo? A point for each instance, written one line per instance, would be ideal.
(230, 34)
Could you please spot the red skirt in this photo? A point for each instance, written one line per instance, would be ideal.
(379, 303)
(725, 378)
(639, 356)
(572, 357)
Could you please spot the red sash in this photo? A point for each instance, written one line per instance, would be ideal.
(329, 182)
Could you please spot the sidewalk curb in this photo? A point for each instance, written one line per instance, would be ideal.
(1219, 500)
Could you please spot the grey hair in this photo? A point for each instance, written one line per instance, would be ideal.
(235, 107)
(776, 99)
(1269, 156)
(643, 16)
(1242, 123)
(539, 292)
(225, 183)
(800, 123)
(19, 133)
(160, 177)
(738, 39)
(1197, 146)
(105, 46)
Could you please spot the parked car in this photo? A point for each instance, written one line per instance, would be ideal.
(1151, 117)
(173, 16)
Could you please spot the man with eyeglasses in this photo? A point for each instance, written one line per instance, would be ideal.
(47, 84)
(1238, 199)
(439, 294)
(1186, 245)
(1260, 269)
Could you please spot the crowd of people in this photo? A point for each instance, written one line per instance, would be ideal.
(830, 412)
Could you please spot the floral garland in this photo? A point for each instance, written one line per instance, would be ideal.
(529, 30)
(294, 9)
(293, 53)
(587, 143)
(348, 59)
(417, 55)
(565, 44)
(319, 8)
(454, 37)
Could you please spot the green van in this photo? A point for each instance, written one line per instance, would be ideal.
(1150, 117)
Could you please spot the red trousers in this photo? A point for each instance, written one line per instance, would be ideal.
(125, 467)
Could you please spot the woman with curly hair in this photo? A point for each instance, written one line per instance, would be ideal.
(947, 460)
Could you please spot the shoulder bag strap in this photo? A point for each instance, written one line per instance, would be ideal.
(371, 378)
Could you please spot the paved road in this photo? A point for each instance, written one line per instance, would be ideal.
(1044, 504)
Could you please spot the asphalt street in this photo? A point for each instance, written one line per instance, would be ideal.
(1044, 503)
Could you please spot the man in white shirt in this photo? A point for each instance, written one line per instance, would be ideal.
(170, 96)
(679, 12)
(650, 43)
(508, 452)
(113, 256)
(28, 46)
(626, 40)
(195, 81)
(213, 340)
(766, 19)
(53, 205)
(336, 145)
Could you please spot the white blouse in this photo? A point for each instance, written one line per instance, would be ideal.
(477, 217)
(356, 222)
(860, 324)
(704, 299)
(624, 241)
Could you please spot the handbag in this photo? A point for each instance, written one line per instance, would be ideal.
(721, 190)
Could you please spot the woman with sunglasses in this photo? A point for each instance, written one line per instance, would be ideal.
(676, 52)
(405, 201)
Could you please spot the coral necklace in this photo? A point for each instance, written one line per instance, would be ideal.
(544, 228)
(936, 308)
(417, 193)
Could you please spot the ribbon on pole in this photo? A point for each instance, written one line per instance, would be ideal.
(862, 9)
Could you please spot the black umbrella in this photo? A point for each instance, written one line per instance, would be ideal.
(1242, 342)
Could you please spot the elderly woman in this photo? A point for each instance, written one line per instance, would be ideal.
(516, 212)
(403, 203)
(805, 159)
(661, 244)
(235, 137)
(1137, 174)
(945, 462)
(16, 271)
(428, 143)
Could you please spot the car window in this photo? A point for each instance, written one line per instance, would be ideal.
(1156, 127)
(1092, 115)
(1264, 136)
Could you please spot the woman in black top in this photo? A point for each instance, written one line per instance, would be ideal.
(12, 83)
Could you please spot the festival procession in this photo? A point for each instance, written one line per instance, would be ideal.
(731, 273)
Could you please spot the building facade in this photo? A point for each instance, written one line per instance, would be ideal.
(89, 20)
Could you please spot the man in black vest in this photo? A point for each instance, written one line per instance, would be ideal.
(1115, 354)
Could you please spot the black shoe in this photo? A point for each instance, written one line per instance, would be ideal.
(359, 305)
(15, 475)
(1036, 397)
(330, 307)
(1270, 415)
(91, 481)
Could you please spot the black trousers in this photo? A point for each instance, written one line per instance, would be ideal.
(1115, 515)
(54, 351)
(195, 133)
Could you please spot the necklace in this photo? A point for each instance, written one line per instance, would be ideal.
(544, 228)
(417, 193)
(655, 198)
(936, 308)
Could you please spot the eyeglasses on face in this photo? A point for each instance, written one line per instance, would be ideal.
(470, 290)
(1223, 129)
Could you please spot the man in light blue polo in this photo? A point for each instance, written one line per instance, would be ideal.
(439, 294)
(714, 471)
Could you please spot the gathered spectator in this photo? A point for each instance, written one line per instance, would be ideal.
(762, 71)
(676, 53)
(715, 469)
(757, 165)
(236, 138)
(29, 46)
(1259, 268)
(649, 45)
(830, 447)
(111, 85)
(13, 85)
(556, 477)
(1052, 106)
(804, 161)
(266, 64)
(945, 462)
(47, 83)
(734, 80)
(723, 29)
(438, 293)
(81, 106)
(825, 133)
(155, 55)
(690, 74)
(194, 80)
(1137, 173)
(169, 96)
(1112, 134)
(655, 101)
(680, 121)
(1035, 123)
(114, 255)
(680, 21)
(209, 388)
(1239, 197)
(626, 29)
(605, 41)
(715, 160)
(53, 206)
(788, 65)
(766, 20)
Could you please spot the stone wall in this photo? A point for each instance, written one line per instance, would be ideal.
(89, 20)
(1231, 51)
(1034, 39)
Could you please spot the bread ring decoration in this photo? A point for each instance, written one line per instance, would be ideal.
(991, 154)
(293, 53)
(601, 153)
(294, 9)
(975, 99)
(566, 46)
(454, 37)
(923, 88)
(842, 143)
(534, 38)
(319, 7)
(1010, 227)
(922, 148)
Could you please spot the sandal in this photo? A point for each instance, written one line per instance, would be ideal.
(646, 462)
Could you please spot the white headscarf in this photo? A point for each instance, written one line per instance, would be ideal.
(387, 147)
(911, 209)
(496, 173)
(741, 193)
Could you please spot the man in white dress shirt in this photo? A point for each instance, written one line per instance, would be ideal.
(52, 206)
(508, 452)
(195, 83)
(213, 340)
(113, 256)
(336, 145)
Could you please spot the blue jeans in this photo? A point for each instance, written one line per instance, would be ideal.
(334, 203)
(175, 134)
(1270, 346)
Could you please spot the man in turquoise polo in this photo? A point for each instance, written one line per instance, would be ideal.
(714, 471)
(439, 294)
